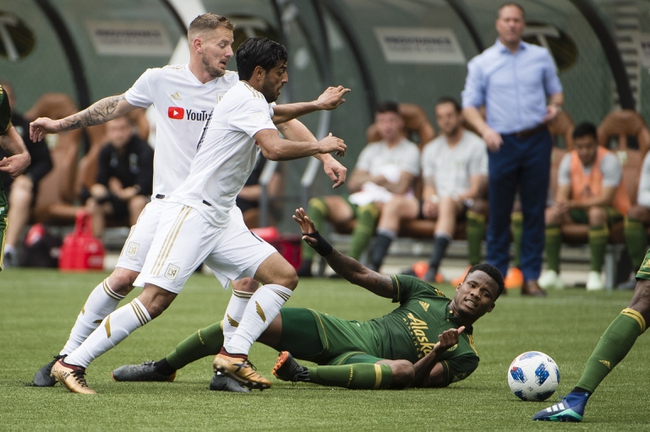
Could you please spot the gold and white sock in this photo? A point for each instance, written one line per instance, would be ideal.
(101, 302)
(234, 313)
(112, 330)
(262, 308)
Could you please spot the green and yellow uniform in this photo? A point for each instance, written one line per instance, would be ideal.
(408, 332)
(5, 124)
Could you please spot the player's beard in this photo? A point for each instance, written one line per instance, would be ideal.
(214, 72)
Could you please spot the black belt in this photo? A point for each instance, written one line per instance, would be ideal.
(530, 132)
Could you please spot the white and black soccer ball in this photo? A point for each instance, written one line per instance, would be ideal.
(533, 376)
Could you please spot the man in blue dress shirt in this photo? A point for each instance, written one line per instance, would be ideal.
(518, 85)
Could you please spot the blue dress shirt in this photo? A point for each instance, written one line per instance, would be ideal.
(513, 87)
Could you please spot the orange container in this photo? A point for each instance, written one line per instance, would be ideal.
(81, 251)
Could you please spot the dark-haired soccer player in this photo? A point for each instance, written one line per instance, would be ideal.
(613, 346)
(200, 223)
(426, 342)
(183, 97)
(14, 165)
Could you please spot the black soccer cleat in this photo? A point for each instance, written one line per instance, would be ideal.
(42, 378)
(142, 372)
(288, 369)
(221, 382)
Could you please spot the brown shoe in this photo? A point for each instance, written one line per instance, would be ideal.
(72, 377)
(240, 370)
(531, 288)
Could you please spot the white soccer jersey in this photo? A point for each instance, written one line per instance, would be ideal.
(227, 154)
(452, 167)
(183, 104)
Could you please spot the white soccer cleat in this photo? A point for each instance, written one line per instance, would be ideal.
(594, 281)
(550, 280)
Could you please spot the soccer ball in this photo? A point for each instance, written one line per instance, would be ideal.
(533, 376)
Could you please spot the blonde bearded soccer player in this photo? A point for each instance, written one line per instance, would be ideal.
(200, 223)
(183, 97)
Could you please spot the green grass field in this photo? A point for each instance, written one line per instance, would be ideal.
(40, 306)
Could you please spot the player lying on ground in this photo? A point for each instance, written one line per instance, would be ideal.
(613, 346)
(410, 346)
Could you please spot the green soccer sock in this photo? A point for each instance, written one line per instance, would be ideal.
(366, 220)
(205, 342)
(613, 346)
(353, 376)
(475, 234)
(318, 212)
(517, 226)
(636, 241)
(552, 247)
(598, 237)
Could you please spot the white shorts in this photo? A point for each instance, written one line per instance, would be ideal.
(138, 242)
(184, 239)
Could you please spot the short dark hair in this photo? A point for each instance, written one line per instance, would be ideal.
(517, 5)
(451, 100)
(387, 106)
(585, 129)
(491, 271)
(259, 51)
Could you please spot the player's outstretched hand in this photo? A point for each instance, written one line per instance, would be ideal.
(306, 226)
(335, 171)
(331, 144)
(448, 339)
(41, 126)
(332, 97)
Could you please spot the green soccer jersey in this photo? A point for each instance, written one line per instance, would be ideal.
(644, 270)
(5, 112)
(408, 332)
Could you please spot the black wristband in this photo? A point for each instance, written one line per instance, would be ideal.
(322, 246)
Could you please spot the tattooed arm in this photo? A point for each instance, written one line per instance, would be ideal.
(347, 267)
(100, 112)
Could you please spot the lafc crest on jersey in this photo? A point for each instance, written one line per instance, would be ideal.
(132, 249)
(172, 272)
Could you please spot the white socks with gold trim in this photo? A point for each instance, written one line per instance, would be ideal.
(101, 301)
(262, 308)
(112, 330)
(234, 313)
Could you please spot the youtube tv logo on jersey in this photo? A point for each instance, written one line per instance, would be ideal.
(176, 113)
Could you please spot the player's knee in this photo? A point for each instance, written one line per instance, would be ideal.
(288, 277)
(403, 374)
(246, 284)
(121, 281)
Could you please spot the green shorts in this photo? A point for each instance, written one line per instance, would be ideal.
(582, 216)
(4, 209)
(324, 339)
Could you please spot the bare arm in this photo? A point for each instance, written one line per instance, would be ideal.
(275, 148)
(429, 199)
(20, 159)
(603, 200)
(347, 267)
(477, 185)
(428, 370)
(297, 131)
(330, 99)
(554, 107)
(491, 137)
(100, 112)
(405, 182)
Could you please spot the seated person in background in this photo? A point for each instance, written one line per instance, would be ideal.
(636, 222)
(248, 199)
(384, 169)
(590, 190)
(124, 176)
(454, 168)
(21, 191)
